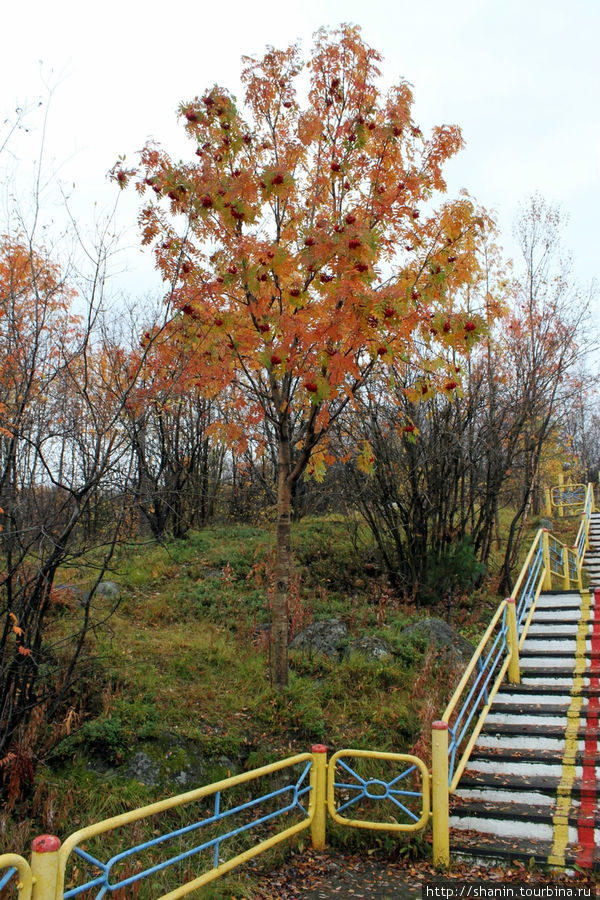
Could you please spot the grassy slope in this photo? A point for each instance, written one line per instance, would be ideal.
(180, 672)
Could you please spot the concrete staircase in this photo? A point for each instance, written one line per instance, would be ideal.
(529, 790)
(591, 561)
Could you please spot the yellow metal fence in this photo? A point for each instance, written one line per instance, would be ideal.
(208, 842)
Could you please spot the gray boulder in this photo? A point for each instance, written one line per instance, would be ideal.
(437, 633)
(144, 769)
(371, 647)
(329, 637)
(109, 589)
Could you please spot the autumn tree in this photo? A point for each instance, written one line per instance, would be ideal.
(437, 479)
(178, 467)
(303, 252)
(542, 345)
(63, 465)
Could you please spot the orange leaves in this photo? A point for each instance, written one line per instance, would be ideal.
(310, 128)
(445, 142)
(293, 277)
(15, 624)
(18, 632)
(36, 325)
(269, 82)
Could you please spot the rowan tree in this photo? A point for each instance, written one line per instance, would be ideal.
(303, 253)
(63, 464)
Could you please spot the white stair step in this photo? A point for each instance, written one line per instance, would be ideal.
(571, 614)
(522, 742)
(509, 828)
(486, 795)
(546, 662)
(500, 718)
(527, 769)
(545, 645)
(525, 699)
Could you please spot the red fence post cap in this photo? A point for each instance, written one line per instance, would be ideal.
(45, 843)
(510, 599)
(439, 725)
(318, 748)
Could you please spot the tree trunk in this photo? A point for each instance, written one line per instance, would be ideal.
(283, 561)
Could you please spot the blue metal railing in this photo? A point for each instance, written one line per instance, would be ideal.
(582, 534)
(485, 674)
(568, 495)
(6, 877)
(574, 565)
(287, 802)
(527, 590)
(556, 555)
(377, 789)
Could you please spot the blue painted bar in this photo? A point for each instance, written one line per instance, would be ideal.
(478, 695)
(297, 789)
(389, 792)
(7, 876)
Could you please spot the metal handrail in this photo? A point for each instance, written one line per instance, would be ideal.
(296, 791)
(496, 655)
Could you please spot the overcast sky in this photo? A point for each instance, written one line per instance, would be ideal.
(520, 77)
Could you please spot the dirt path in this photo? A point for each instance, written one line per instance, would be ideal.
(319, 876)
(329, 875)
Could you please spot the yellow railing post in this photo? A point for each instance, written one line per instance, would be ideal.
(439, 794)
(565, 560)
(579, 573)
(548, 502)
(44, 867)
(514, 671)
(547, 582)
(319, 787)
(561, 483)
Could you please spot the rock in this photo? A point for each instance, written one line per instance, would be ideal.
(65, 592)
(165, 763)
(109, 589)
(372, 647)
(143, 769)
(329, 637)
(443, 637)
(68, 594)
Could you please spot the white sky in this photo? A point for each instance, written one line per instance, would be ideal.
(521, 78)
